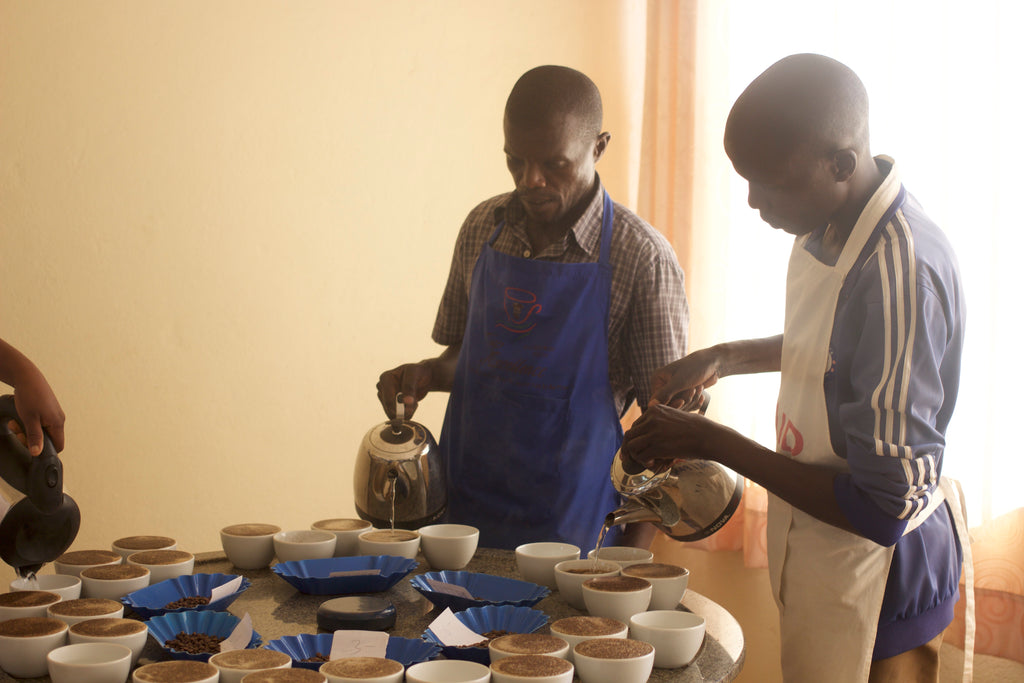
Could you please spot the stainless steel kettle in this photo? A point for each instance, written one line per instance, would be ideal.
(689, 501)
(399, 476)
(40, 521)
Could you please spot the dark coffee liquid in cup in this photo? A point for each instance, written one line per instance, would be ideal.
(532, 666)
(31, 627)
(176, 672)
(107, 627)
(362, 667)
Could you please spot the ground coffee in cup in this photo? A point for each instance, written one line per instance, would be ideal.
(250, 659)
(156, 557)
(654, 570)
(588, 626)
(532, 666)
(89, 557)
(362, 667)
(390, 535)
(341, 524)
(28, 598)
(251, 530)
(613, 648)
(31, 627)
(617, 584)
(528, 644)
(115, 572)
(85, 607)
(144, 542)
(107, 627)
(179, 671)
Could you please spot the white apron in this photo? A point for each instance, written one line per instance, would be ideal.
(828, 583)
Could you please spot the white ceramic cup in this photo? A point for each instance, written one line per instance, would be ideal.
(128, 632)
(570, 584)
(346, 534)
(164, 564)
(398, 542)
(623, 555)
(449, 546)
(517, 644)
(616, 597)
(73, 562)
(25, 642)
(19, 604)
(614, 660)
(176, 671)
(536, 561)
(304, 544)
(72, 612)
(89, 663)
(113, 581)
(531, 669)
(234, 665)
(363, 670)
(447, 671)
(574, 630)
(133, 544)
(675, 634)
(668, 582)
(68, 587)
(249, 546)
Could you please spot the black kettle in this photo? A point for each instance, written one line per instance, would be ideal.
(39, 521)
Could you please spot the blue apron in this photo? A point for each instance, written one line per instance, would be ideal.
(531, 426)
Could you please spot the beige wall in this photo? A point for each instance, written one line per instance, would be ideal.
(222, 220)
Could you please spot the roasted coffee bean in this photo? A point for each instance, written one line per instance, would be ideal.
(318, 657)
(195, 643)
(189, 602)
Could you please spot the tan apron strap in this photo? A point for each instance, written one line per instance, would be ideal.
(958, 506)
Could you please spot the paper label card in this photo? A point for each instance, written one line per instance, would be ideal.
(226, 589)
(449, 589)
(356, 572)
(450, 631)
(359, 644)
(240, 636)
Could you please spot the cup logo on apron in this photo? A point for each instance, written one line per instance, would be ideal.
(520, 305)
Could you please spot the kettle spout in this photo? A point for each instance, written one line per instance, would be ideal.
(630, 514)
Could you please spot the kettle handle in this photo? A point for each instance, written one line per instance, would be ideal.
(15, 460)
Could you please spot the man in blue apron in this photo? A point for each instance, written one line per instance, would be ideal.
(560, 305)
(863, 547)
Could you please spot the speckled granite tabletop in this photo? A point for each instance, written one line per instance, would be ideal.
(277, 609)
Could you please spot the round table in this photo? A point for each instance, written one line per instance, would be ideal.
(277, 610)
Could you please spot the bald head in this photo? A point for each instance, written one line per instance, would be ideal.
(555, 93)
(804, 100)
